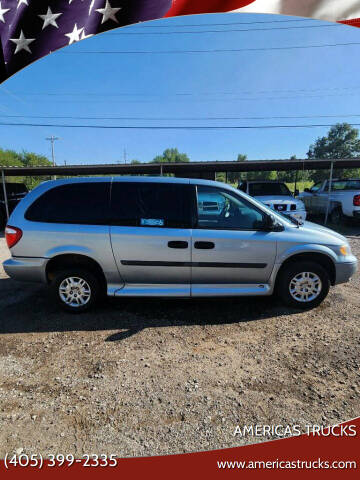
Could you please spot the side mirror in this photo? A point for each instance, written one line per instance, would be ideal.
(271, 225)
(307, 190)
(296, 193)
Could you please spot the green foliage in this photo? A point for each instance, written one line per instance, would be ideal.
(301, 185)
(10, 158)
(234, 177)
(220, 177)
(171, 155)
(272, 175)
(342, 141)
(30, 159)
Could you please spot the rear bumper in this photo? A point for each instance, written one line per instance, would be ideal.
(26, 269)
(344, 271)
(356, 214)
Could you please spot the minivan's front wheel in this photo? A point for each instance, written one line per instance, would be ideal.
(303, 285)
(76, 290)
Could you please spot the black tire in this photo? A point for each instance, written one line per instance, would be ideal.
(90, 292)
(2, 220)
(336, 216)
(288, 274)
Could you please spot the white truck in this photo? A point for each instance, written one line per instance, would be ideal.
(275, 195)
(343, 201)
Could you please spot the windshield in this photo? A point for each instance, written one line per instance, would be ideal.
(268, 189)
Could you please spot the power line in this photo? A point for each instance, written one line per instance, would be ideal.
(213, 100)
(167, 127)
(69, 117)
(230, 50)
(185, 94)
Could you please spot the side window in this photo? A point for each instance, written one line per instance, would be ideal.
(315, 188)
(75, 203)
(143, 204)
(352, 185)
(220, 209)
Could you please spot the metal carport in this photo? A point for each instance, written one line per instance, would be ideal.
(190, 169)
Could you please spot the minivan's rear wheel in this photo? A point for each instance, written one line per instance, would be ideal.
(76, 290)
(303, 285)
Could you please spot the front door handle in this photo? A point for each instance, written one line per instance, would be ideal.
(178, 244)
(204, 245)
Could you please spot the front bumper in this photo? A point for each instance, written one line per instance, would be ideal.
(345, 270)
(26, 269)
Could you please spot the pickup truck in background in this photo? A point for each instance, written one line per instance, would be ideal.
(15, 192)
(275, 195)
(344, 199)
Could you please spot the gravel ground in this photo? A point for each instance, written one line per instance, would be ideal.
(151, 377)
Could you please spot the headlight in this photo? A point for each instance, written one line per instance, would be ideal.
(345, 250)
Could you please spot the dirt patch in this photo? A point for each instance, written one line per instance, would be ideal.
(148, 377)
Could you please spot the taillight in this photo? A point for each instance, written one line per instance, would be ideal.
(12, 235)
(356, 201)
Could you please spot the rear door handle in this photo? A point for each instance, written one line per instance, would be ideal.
(178, 244)
(204, 245)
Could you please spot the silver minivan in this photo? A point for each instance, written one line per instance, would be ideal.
(168, 237)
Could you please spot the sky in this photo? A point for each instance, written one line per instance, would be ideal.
(223, 89)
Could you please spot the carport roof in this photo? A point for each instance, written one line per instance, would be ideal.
(183, 168)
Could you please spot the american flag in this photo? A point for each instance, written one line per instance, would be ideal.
(31, 29)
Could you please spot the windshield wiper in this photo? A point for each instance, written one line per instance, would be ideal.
(293, 220)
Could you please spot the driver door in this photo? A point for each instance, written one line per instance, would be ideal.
(229, 246)
(314, 198)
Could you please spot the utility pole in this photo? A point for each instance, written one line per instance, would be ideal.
(125, 155)
(329, 192)
(52, 139)
(5, 195)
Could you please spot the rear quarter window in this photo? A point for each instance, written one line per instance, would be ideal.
(74, 203)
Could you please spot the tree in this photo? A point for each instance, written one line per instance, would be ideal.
(234, 177)
(10, 158)
(241, 158)
(342, 141)
(272, 175)
(30, 159)
(289, 176)
(171, 155)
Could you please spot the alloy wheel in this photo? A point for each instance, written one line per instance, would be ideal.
(305, 286)
(75, 291)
